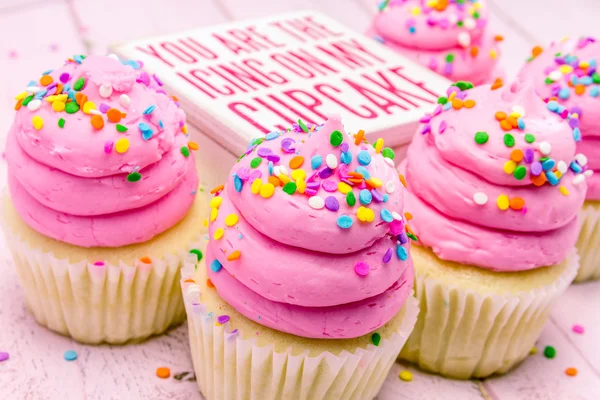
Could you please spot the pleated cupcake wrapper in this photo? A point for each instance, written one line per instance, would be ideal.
(96, 304)
(462, 333)
(228, 367)
(588, 244)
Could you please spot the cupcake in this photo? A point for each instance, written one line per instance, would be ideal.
(306, 290)
(102, 211)
(566, 74)
(449, 37)
(495, 192)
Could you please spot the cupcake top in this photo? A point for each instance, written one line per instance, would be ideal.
(450, 37)
(495, 169)
(309, 235)
(94, 140)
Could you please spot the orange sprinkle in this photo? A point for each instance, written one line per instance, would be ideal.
(217, 189)
(516, 203)
(408, 230)
(296, 162)
(46, 80)
(355, 180)
(146, 260)
(539, 180)
(189, 280)
(209, 283)
(513, 122)
(235, 255)
(470, 103)
(19, 104)
(97, 122)
(408, 216)
(193, 145)
(59, 88)
(354, 174)
(275, 181)
(497, 84)
(175, 98)
(536, 51)
(474, 51)
(499, 38)
(402, 180)
(113, 115)
(163, 372)
(78, 97)
(505, 125)
(516, 155)
(457, 104)
(571, 371)
(358, 138)
(500, 115)
(580, 89)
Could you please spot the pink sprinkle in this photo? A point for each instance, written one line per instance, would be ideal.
(361, 268)
(442, 126)
(99, 263)
(578, 329)
(12, 54)
(108, 146)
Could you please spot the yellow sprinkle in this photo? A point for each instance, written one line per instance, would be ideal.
(216, 202)
(21, 96)
(564, 190)
(62, 97)
(558, 174)
(58, 106)
(231, 220)
(267, 190)
(184, 129)
(122, 145)
(477, 6)
(283, 178)
(301, 185)
(365, 214)
(493, 54)
(406, 376)
(584, 64)
(38, 122)
(378, 145)
(503, 202)
(451, 96)
(565, 69)
(256, 185)
(219, 233)
(375, 182)
(533, 350)
(213, 214)
(510, 166)
(50, 99)
(298, 174)
(205, 223)
(344, 187)
(514, 114)
(89, 106)
(415, 11)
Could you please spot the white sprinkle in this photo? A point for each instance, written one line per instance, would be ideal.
(470, 23)
(283, 170)
(588, 173)
(578, 179)
(276, 170)
(389, 161)
(114, 56)
(453, 19)
(562, 167)
(124, 101)
(519, 110)
(555, 75)
(193, 292)
(95, 112)
(105, 91)
(581, 159)
(390, 187)
(316, 202)
(34, 104)
(545, 148)
(396, 216)
(480, 198)
(331, 161)
(464, 39)
(33, 89)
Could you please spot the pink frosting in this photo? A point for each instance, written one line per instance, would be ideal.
(431, 36)
(71, 184)
(450, 173)
(553, 73)
(286, 262)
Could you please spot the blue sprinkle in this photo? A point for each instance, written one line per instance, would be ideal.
(379, 39)
(71, 94)
(364, 172)
(575, 167)
(270, 168)
(552, 179)
(346, 158)
(316, 161)
(34, 83)
(132, 63)
(364, 158)
(593, 62)
(386, 215)
(78, 58)
(66, 87)
(594, 91)
(521, 123)
(240, 236)
(160, 123)
(561, 109)
(577, 134)
(548, 165)
(147, 135)
(402, 253)
(47, 72)
(586, 80)
(386, 197)
(365, 197)
(344, 221)
(412, 29)
(237, 183)
(552, 105)
(574, 80)
(272, 135)
(70, 355)
(564, 93)
(149, 110)
(40, 94)
(447, 106)
(215, 265)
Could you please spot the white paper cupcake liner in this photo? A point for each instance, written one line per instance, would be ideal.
(464, 333)
(588, 244)
(230, 367)
(96, 304)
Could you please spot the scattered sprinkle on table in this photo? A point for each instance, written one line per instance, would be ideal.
(406, 376)
(163, 372)
(70, 355)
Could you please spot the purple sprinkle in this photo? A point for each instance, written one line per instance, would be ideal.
(310, 192)
(329, 186)
(577, 110)
(425, 119)
(452, 89)
(377, 195)
(234, 332)
(573, 123)
(161, 91)
(157, 79)
(52, 86)
(448, 67)
(251, 149)
(344, 147)
(254, 175)
(396, 227)
(222, 319)
(403, 238)
(144, 78)
(426, 129)
(332, 204)
(64, 77)
(388, 255)
(529, 155)
(243, 173)
(431, 21)
(326, 173)
(343, 171)
(287, 145)
(361, 268)
(108, 146)
(313, 185)
(312, 176)
(442, 127)
(264, 151)
(345, 180)
(462, 95)
(104, 108)
(536, 168)
(273, 157)
(438, 110)
(4, 356)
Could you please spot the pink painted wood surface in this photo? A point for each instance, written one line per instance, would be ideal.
(37, 370)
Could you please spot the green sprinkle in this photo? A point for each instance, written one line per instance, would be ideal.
(463, 85)
(376, 338)
(71, 108)
(596, 77)
(529, 138)
(460, 24)
(388, 153)
(257, 141)
(185, 151)
(520, 172)
(548, 81)
(255, 162)
(336, 138)
(450, 58)
(442, 100)
(26, 100)
(198, 254)
(549, 352)
(121, 128)
(61, 123)
(481, 137)
(412, 236)
(290, 188)
(79, 83)
(303, 126)
(350, 199)
(134, 176)
(509, 140)
(476, 15)
(240, 157)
